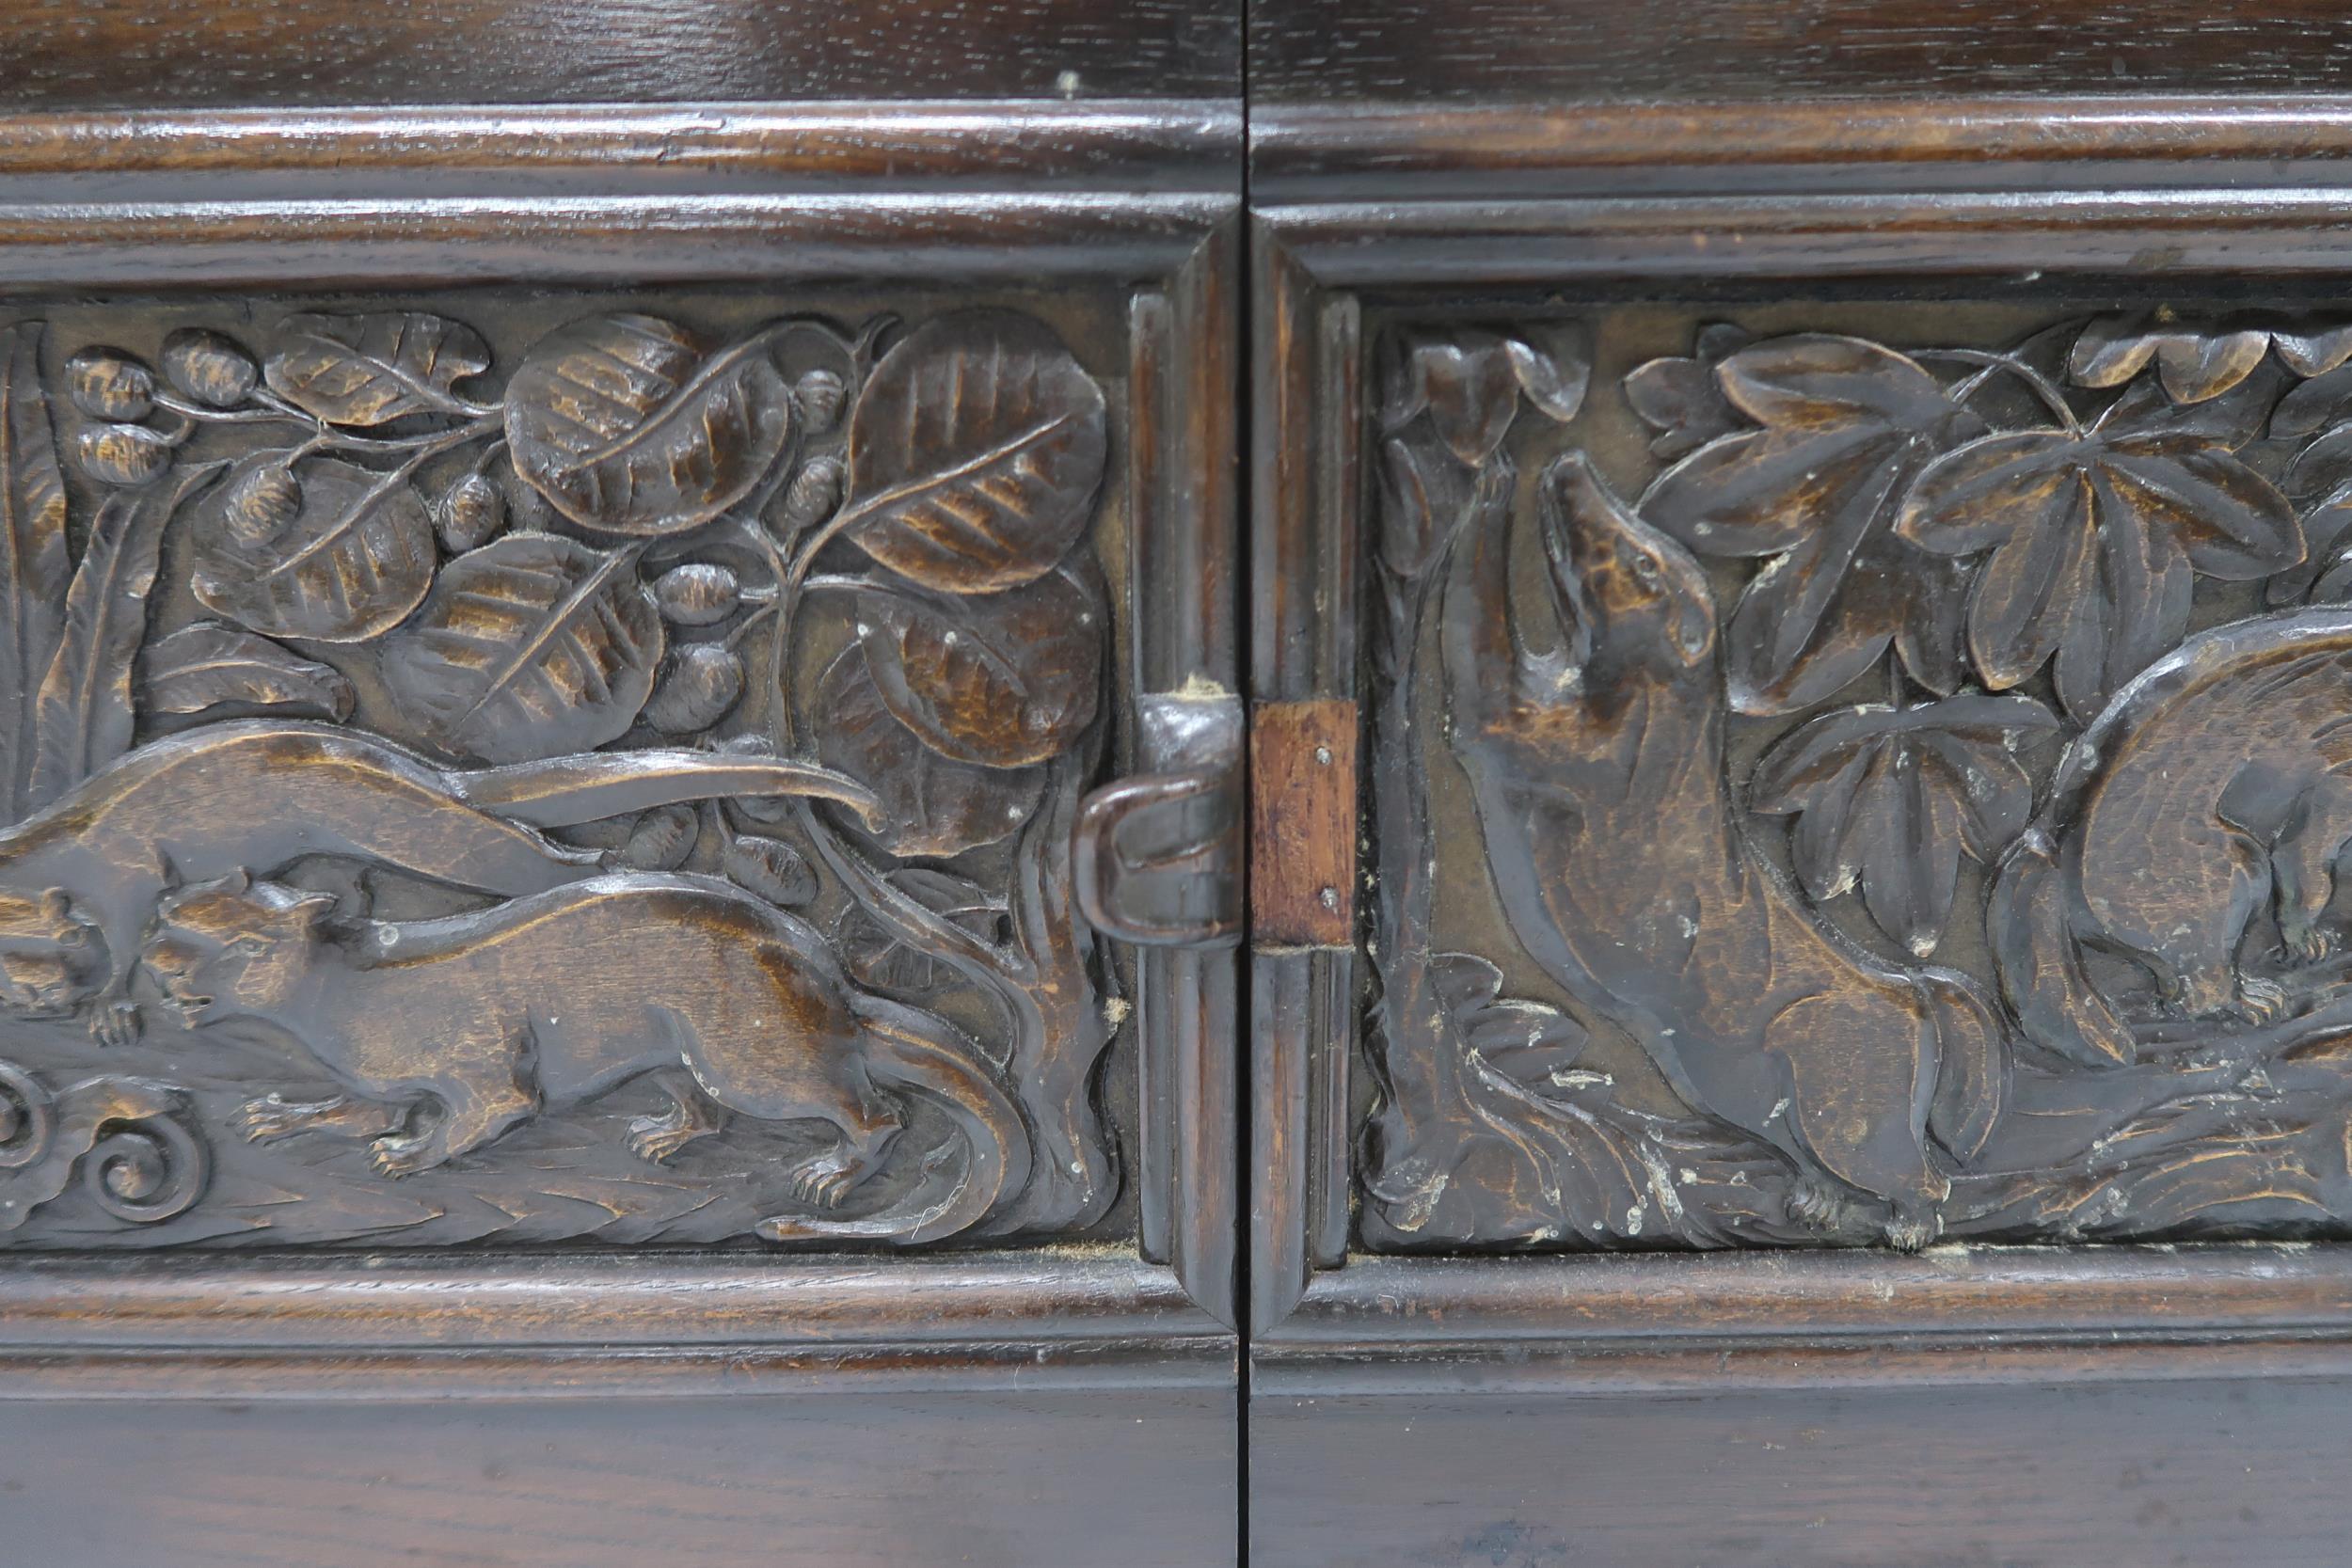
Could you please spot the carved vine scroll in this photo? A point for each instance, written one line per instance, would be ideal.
(618, 786)
(1913, 789)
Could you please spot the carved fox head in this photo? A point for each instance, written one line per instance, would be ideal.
(52, 956)
(232, 946)
(1629, 607)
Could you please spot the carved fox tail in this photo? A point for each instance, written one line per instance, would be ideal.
(562, 792)
(2037, 951)
(919, 1052)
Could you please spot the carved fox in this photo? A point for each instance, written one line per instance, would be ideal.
(729, 1003)
(2219, 777)
(1598, 774)
(259, 794)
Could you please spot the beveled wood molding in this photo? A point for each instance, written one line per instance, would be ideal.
(946, 194)
(1406, 151)
(1663, 1321)
(590, 1324)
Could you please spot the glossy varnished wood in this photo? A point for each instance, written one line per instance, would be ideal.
(1534, 51)
(1003, 1478)
(131, 55)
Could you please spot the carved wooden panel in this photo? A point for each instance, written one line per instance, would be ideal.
(1858, 775)
(518, 769)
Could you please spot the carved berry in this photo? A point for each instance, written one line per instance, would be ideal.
(662, 839)
(697, 594)
(772, 870)
(820, 394)
(122, 455)
(259, 505)
(702, 681)
(471, 513)
(207, 368)
(108, 383)
(814, 493)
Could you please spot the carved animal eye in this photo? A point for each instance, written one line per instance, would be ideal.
(1645, 571)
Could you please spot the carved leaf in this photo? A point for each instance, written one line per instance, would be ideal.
(2090, 539)
(628, 427)
(2197, 361)
(1543, 1151)
(355, 559)
(1470, 380)
(1001, 680)
(772, 870)
(1846, 425)
(2194, 363)
(1887, 799)
(529, 646)
(206, 665)
(930, 805)
(372, 369)
(1679, 398)
(975, 454)
(880, 956)
(83, 714)
(34, 562)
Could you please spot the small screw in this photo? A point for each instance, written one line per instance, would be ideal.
(1331, 898)
(1323, 755)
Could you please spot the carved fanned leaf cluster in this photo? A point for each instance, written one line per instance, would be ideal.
(1974, 521)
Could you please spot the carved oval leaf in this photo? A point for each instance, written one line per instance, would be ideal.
(1002, 680)
(930, 805)
(878, 956)
(628, 427)
(206, 665)
(529, 646)
(354, 561)
(372, 369)
(975, 454)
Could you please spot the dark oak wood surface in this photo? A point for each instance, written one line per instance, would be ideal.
(143, 54)
(2191, 1473)
(1582, 50)
(996, 1480)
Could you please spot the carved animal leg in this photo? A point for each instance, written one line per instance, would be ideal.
(822, 1179)
(691, 1116)
(2198, 968)
(274, 1117)
(2303, 865)
(473, 1114)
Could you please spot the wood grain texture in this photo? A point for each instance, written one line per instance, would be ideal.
(2176, 1473)
(1432, 50)
(1302, 769)
(997, 1481)
(136, 54)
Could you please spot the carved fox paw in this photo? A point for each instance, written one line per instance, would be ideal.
(823, 1180)
(2307, 944)
(655, 1138)
(114, 1025)
(2260, 1001)
(268, 1119)
(398, 1154)
(1816, 1205)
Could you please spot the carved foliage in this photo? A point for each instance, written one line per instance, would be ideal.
(348, 983)
(1993, 550)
